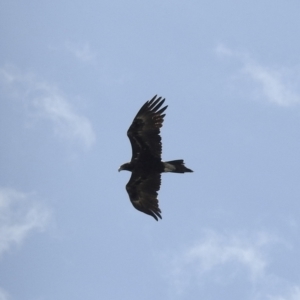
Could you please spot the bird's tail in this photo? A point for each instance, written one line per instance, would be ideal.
(176, 166)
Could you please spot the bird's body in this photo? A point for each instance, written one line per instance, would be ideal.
(146, 164)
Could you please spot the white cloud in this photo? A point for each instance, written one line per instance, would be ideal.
(47, 102)
(52, 105)
(83, 52)
(221, 262)
(223, 50)
(4, 295)
(19, 216)
(276, 84)
(221, 258)
(292, 294)
(216, 250)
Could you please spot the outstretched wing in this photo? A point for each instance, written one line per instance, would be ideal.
(144, 132)
(142, 190)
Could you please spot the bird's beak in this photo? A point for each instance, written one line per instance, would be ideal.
(119, 169)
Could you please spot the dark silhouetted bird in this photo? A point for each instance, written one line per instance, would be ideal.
(146, 164)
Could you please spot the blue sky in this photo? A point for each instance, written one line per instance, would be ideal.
(73, 74)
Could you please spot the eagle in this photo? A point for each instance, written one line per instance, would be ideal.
(146, 165)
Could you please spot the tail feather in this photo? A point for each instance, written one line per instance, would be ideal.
(176, 166)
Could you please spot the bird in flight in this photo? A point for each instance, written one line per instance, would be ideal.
(146, 164)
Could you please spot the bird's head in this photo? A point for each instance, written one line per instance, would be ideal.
(126, 167)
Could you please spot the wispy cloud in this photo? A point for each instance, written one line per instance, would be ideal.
(275, 84)
(19, 216)
(293, 293)
(4, 295)
(82, 51)
(220, 257)
(47, 102)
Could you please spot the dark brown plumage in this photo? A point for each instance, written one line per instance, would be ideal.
(146, 165)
